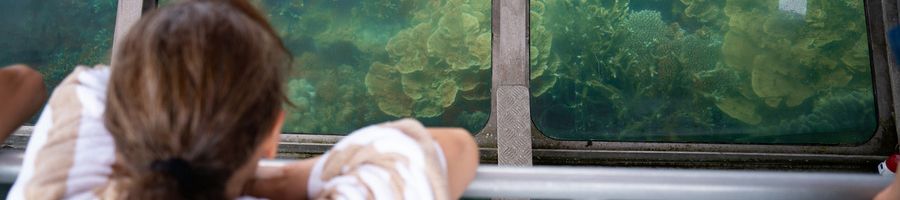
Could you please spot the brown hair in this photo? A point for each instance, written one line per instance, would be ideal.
(196, 87)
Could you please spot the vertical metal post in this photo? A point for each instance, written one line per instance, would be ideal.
(510, 67)
(889, 9)
(890, 20)
(128, 13)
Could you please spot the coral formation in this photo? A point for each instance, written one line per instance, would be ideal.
(643, 31)
(704, 10)
(613, 70)
(739, 108)
(443, 55)
(473, 120)
(793, 56)
(379, 82)
(707, 13)
(410, 49)
(542, 65)
(855, 108)
(364, 62)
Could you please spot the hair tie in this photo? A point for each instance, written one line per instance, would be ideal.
(178, 168)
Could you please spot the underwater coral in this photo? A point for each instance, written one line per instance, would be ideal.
(732, 71)
(437, 60)
(364, 62)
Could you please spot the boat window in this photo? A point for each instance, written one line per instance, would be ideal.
(727, 71)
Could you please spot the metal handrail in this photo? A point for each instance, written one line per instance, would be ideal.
(558, 182)
(646, 183)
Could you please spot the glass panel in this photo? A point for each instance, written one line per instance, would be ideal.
(55, 36)
(724, 71)
(362, 62)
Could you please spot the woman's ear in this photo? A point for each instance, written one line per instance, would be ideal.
(270, 145)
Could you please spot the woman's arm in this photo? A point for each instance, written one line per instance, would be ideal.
(288, 182)
(22, 94)
(461, 154)
(891, 192)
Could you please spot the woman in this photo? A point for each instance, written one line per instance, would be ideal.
(192, 104)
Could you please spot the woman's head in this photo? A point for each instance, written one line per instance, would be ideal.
(195, 91)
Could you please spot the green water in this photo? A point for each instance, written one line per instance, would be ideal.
(53, 36)
(723, 71)
(362, 62)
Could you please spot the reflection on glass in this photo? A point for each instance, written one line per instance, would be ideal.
(361, 62)
(729, 71)
(54, 36)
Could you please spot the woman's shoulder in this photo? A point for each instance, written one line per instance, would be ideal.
(94, 79)
(70, 152)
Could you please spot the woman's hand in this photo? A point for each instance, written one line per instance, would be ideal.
(461, 154)
(892, 192)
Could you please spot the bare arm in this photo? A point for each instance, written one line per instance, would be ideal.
(21, 95)
(461, 153)
(892, 191)
(289, 182)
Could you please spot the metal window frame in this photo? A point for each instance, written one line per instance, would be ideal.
(520, 142)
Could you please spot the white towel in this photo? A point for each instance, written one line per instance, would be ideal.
(395, 160)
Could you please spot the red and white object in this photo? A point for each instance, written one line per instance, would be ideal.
(889, 166)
